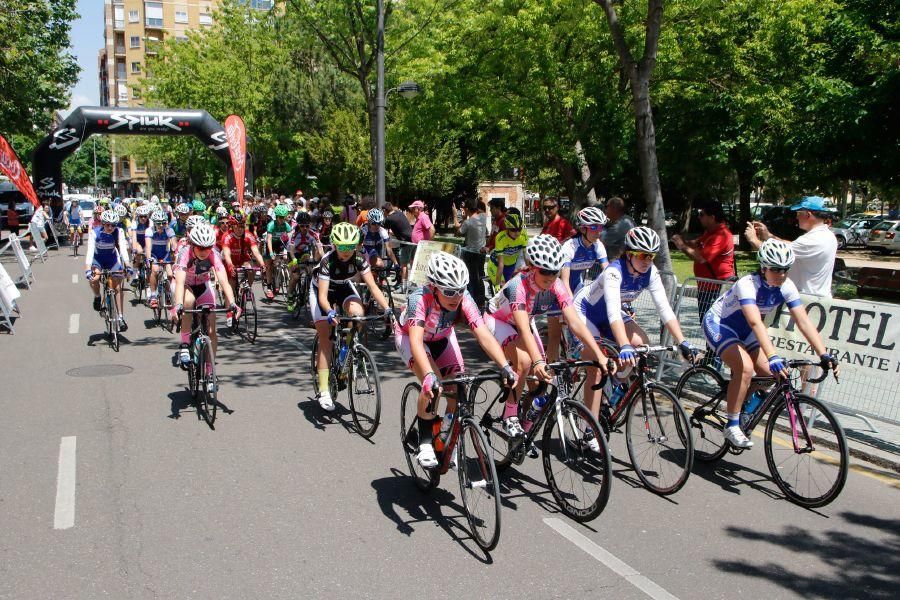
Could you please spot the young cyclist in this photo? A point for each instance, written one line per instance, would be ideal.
(333, 289)
(425, 337)
(73, 216)
(278, 233)
(194, 268)
(735, 330)
(303, 247)
(107, 249)
(325, 223)
(510, 319)
(600, 306)
(179, 226)
(138, 233)
(509, 247)
(238, 247)
(375, 239)
(159, 244)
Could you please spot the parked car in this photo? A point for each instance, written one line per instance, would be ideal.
(884, 237)
(782, 222)
(8, 191)
(853, 231)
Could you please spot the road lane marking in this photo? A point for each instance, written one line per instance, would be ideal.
(64, 518)
(611, 562)
(74, 278)
(293, 342)
(73, 322)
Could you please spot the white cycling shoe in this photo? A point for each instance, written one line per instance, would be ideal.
(736, 437)
(326, 402)
(591, 441)
(426, 457)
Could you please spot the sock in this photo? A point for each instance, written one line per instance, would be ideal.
(510, 410)
(426, 435)
(185, 337)
(323, 381)
(733, 419)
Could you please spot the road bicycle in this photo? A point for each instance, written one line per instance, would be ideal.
(300, 293)
(202, 380)
(75, 232)
(352, 368)
(805, 447)
(466, 450)
(164, 300)
(578, 477)
(246, 302)
(657, 435)
(139, 283)
(108, 308)
(281, 275)
(385, 329)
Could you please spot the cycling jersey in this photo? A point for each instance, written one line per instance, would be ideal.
(106, 250)
(180, 228)
(241, 248)
(374, 240)
(521, 293)
(304, 243)
(280, 236)
(423, 310)
(197, 272)
(74, 213)
(159, 244)
(509, 252)
(140, 231)
(338, 272)
(579, 258)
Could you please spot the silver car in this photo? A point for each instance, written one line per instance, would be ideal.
(853, 231)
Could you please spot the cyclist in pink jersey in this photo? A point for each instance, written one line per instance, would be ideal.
(426, 340)
(509, 318)
(194, 269)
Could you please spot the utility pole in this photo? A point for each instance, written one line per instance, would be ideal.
(94, 140)
(379, 109)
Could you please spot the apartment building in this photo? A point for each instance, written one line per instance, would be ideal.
(133, 30)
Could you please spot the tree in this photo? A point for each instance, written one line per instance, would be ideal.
(78, 168)
(36, 68)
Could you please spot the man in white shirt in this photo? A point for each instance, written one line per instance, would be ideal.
(815, 250)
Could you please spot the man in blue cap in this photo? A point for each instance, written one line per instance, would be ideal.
(815, 250)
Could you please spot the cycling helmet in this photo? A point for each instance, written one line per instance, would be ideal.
(327, 214)
(109, 216)
(590, 216)
(193, 221)
(121, 210)
(221, 211)
(513, 221)
(345, 234)
(104, 201)
(144, 211)
(183, 208)
(545, 252)
(447, 272)
(203, 235)
(775, 254)
(234, 222)
(376, 216)
(642, 239)
(303, 217)
(281, 210)
(259, 208)
(198, 205)
(160, 217)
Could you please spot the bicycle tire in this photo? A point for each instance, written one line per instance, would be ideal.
(168, 324)
(425, 479)
(207, 400)
(388, 329)
(366, 419)
(332, 377)
(299, 299)
(113, 322)
(193, 379)
(478, 485)
(491, 422)
(250, 316)
(829, 451)
(593, 469)
(701, 392)
(159, 311)
(663, 440)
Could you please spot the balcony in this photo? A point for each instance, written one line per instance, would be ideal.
(119, 24)
(120, 50)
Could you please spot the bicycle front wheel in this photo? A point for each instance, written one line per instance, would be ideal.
(112, 314)
(659, 440)
(208, 396)
(579, 476)
(425, 479)
(501, 445)
(806, 451)
(701, 391)
(364, 392)
(249, 316)
(478, 485)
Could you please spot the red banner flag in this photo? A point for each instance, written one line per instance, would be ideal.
(12, 168)
(236, 134)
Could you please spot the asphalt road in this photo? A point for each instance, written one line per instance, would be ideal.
(281, 502)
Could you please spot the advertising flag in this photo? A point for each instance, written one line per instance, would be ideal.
(12, 168)
(236, 134)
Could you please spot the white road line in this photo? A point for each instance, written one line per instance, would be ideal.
(293, 342)
(620, 568)
(64, 518)
(73, 322)
(74, 278)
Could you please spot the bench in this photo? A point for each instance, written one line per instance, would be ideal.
(876, 279)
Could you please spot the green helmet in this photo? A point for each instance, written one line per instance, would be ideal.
(281, 210)
(345, 234)
(198, 205)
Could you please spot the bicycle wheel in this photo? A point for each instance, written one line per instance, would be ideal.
(250, 315)
(479, 487)
(659, 441)
(388, 329)
(299, 298)
(425, 479)
(207, 398)
(364, 391)
(113, 317)
(141, 285)
(482, 393)
(701, 391)
(193, 378)
(579, 478)
(814, 474)
(159, 311)
(165, 306)
(332, 378)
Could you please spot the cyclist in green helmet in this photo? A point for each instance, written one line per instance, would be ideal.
(278, 233)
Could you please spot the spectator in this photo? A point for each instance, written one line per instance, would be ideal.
(474, 231)
(498, 217)
(422, 227)
(613, 236)
(398, 226)
(12, 218)
(349, 212)
(554, 223)
(815, 250)
(299, 200)
(363, 216)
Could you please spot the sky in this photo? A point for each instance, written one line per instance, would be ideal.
(87, 40)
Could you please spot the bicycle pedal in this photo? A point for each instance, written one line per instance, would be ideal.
(533, 451)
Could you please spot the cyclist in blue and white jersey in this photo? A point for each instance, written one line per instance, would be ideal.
(159, 246)
(600, 306)
(735, 330)
(107, 249)
(137, 234)
(179, 225)
(375, 239)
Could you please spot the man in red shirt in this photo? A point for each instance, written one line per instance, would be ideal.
(498, 217)
(238, 247)
(555, 224)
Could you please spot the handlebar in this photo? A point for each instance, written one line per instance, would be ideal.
(797, 363)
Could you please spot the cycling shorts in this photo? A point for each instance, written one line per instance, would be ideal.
(445, 352)
(506, 334)
(157, 259)
(75, 222)
(601, 329)
(114, 265)
(720, 336)
(337, 296)
(203, 295)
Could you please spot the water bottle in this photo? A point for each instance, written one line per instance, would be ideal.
(445, 427)
(750, 406)
(197, 344)
(537, 405)
(342, 354)
(617, 393)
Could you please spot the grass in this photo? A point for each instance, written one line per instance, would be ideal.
(684, 266)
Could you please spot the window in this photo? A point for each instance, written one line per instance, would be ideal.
(205, 19)
(136, 67)
(123, 92)
(119, 15)
(134, 16)
(181, 15)
(154, 14)
(135, 93)
(135, 41)
(181, 38)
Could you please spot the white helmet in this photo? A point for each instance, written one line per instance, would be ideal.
(203, 235)
(193, 221)
(446, 271)
(183, 208)
(160, 217)
(144, 210)
(154, 199)
(642, 239)
(221, 211)
(121, 210)
(590, 216)
(376, 216)
(775, 254)
(545, 252)
(109, 216)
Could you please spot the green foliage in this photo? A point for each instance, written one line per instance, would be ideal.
(78, 169)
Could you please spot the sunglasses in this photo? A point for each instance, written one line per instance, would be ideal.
(644, 255)
(548, 272)
(549, 208)
(345, 247)
(777, 270)
(594, 227)
(203, 248)
(451, 292)
(517, 230)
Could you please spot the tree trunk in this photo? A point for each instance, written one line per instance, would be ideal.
(745, 188)
(589, 195)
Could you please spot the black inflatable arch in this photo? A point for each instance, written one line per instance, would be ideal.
(89, 120)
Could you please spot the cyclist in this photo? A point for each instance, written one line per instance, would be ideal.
(509, 246)
(735, 330)
(375, 239)
(159, 245)
(194, 269)
(277, 236)
(179, 226)
(124, 221)
(221, 215)
(73, 216)
(96, 222)
(600, 306)
(107, 249)
(182, 243)
(238, 247)
(333, 289)
(425, 337)
(138, 233)
(303, 247)
(325, 223)
(258, 222)
(510, 319)
(198, 208)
